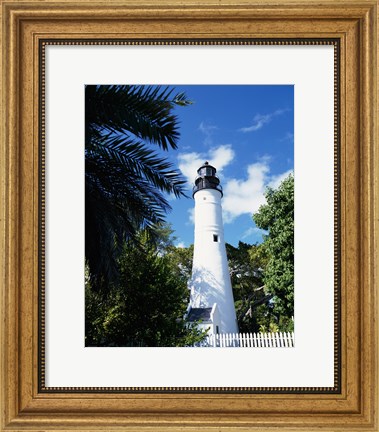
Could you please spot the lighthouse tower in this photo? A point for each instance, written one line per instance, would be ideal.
(211, 300)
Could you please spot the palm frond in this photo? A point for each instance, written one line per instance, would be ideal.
(130, 157)
(144, 111)
(125, 180)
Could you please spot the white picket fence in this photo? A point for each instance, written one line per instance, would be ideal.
(251, 340)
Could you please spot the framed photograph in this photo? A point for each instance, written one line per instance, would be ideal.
(189, 294)
(256, 124)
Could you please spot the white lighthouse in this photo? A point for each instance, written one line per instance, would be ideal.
(211, 300)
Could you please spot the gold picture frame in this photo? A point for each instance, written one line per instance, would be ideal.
(26, 25)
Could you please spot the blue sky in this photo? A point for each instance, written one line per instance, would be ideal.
(246, 132)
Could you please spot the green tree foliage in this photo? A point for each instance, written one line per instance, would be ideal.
(246, 266)
(277, 217)
(124, 178)
(181, 260)
(244, 273)
(146, 307)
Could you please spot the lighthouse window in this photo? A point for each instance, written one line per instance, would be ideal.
(215, 237)
(206, 171)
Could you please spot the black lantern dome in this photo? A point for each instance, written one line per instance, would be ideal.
(207, 179)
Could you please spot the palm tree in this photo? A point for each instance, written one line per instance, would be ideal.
(124, 178)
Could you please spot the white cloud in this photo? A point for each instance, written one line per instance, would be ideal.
(260, 120)
(219, 157)
(241, 195)
(207, 130)
(252, 231)
(180, 245)
(287, 137)
(189, 163)
(245, 196)
(276, 180)
(191, 216)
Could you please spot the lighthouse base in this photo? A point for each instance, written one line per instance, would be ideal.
(206, 318)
